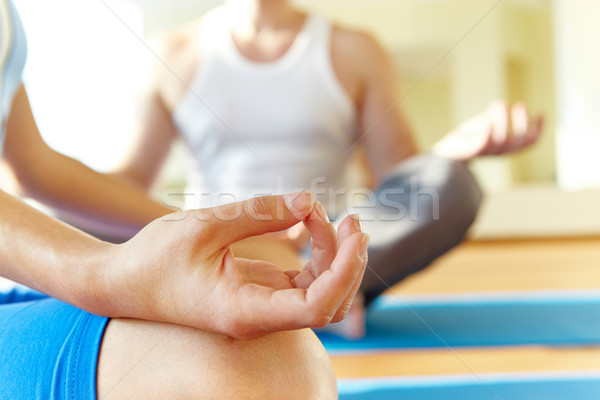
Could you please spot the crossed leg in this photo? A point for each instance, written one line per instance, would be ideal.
(147, 360)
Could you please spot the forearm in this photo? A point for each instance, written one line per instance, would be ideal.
(66, 184)
(90, 196)
(50, 256)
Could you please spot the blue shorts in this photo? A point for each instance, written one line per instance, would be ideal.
(48, 349)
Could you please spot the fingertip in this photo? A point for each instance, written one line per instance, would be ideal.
(300, 204)
(497, 104)
(519, 106)
(292, 274)
(364, 245)
(356, 221)
(500, 121)
(346, 228)
(318, 213)
(321, 211)
(357, 244)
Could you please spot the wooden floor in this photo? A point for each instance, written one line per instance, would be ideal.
(491, 267)
(511, 265)
(467, 361)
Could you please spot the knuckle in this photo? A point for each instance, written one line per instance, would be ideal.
(202, 215)
(205, 228)
(258, 208)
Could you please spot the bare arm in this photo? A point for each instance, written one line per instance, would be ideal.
(181, 269)
(166, 87)
(384, 132)
(65, 183)
(152, 143)
(48, 255)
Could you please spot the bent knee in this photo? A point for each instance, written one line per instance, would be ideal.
(281, 365)
(458, 191)
(148, 360)
(449, 183)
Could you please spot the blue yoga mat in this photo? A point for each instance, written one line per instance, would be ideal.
(526, 386)
(548, 318)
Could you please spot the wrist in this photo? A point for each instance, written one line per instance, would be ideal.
(91, 288)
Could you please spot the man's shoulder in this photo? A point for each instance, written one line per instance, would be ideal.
(178, 54)
(179, 42)
(359, 48)
(351, 41)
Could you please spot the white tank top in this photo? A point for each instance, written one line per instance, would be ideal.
(266, 128)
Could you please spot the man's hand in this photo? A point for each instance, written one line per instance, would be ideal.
(180, 269)
(496, 131)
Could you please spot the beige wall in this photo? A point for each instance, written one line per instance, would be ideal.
(503, 53)
(578, 85)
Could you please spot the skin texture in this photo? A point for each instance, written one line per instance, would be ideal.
(172, 362)
(197, 282)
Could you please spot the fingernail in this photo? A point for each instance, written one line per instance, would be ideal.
(299, 201)
(356, 222)
(364, 244)
(321, 211)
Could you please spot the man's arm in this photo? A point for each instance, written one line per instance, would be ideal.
(155, 131)
(66, 184)
(383, 132)
(386, 134)
(151, 145)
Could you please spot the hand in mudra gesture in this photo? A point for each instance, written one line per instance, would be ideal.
(181, 269)
(498, 130)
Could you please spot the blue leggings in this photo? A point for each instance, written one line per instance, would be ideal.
(48, 349)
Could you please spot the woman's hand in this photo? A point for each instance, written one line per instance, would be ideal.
(297, 236)
(180, 269)
(496, 131)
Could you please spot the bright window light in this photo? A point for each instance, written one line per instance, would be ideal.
(85, 65)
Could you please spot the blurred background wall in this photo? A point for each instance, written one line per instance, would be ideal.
(454, 56)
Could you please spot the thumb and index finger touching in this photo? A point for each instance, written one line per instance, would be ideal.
(337, 270)
(259, 215)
